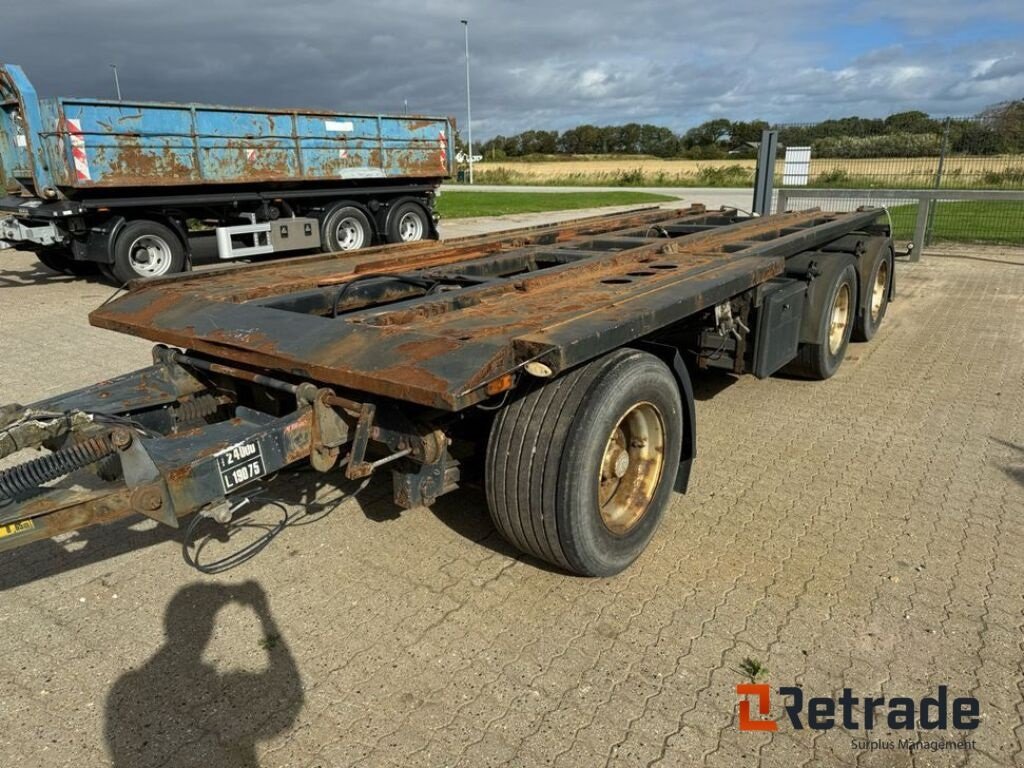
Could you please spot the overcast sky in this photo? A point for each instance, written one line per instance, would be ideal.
(535, 64)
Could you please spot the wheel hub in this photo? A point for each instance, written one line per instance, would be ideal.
(349, 234)
(879, 290)
(839, 319)
(631, 468)
(410, 227)
(150, 256)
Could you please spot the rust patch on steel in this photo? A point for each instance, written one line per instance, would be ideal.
(298, 438)
(61, 511)
(433, 349)
(128, 163)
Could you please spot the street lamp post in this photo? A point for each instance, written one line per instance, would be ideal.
(469, 108)
(117, 83)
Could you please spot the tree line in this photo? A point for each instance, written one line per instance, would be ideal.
(998, 129)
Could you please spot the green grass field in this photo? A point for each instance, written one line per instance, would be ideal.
(972, 221)
(460, 204)
(995, 222)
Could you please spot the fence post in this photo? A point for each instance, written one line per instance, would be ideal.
(764, 176)
(934, 204)
(924, 208)
(942, 153)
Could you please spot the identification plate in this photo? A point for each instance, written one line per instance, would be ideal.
(240, 464)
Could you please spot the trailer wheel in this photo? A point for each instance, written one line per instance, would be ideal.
(579, 471)
(407, 223)
(346, 227)
(870, 318)
(821, 361)
(59, 260)
(146, 249)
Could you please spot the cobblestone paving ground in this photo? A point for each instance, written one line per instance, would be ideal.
(863, 532)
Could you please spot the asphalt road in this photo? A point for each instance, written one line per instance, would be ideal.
(713, 197)
(863, 532)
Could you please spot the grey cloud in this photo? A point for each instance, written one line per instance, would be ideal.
(928, 18)
(535, 64)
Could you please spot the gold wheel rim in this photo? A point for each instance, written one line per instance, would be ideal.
(631, 468)
(839, 319)
(879, 289)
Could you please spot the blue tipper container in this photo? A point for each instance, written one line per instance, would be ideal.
(74, 145)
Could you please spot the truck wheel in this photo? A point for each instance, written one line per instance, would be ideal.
(146, 249)
(579, 471)
(870, 319)
(821, 361)
(408, 223)
(59, 260)
(345, 228)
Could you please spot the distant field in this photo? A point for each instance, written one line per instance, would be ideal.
(996, 171)
(461, 204)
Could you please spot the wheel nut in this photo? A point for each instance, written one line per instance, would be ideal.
(621, 464)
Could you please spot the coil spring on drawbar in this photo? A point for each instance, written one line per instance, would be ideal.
(52, 466)
(196, 409)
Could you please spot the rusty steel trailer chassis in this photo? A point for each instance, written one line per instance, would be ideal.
(353, 362)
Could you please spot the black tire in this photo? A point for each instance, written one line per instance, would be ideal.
(821, 361)
(548, 450)
(83, 268)
(146, 249)
(54, 260)
(108, 273)
(869, 319)
(59, 260)
(408, 223)
(345, 227)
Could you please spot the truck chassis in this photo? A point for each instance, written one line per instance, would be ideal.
(551, 363)
(125, 188)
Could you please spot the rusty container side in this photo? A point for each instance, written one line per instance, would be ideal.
(104, 144)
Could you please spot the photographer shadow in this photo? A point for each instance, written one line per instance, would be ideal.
(177, 710)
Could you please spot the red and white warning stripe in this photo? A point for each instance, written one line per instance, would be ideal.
(78, 150)
(443, 143)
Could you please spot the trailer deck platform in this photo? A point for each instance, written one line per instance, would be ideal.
(439, 323)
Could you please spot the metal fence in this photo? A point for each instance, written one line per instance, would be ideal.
(924, 217)
(922, 153)
(854, 162)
